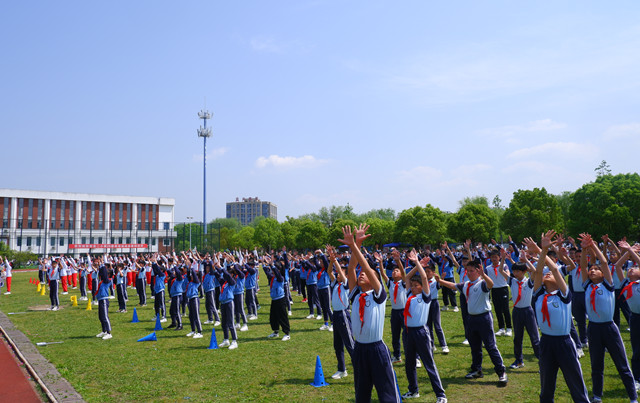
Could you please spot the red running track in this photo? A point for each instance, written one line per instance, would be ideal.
(14, 386)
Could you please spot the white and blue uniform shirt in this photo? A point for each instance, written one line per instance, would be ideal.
(339, 296)
(553, 312)
(397, 294)
(599, 300)
(477, 295)
(523, 288)
(434, 286)
(631, 292)
(494, 274)
(416, 312)
(367, 315)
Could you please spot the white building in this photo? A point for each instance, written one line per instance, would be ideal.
(51, 223)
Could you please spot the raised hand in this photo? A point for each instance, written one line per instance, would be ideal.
(395, 254)
(361, 234)
(532, 246)
(412, 256)
(547, 239)
(347, 236)
(624, 245)
(377, 256)
(585, 240)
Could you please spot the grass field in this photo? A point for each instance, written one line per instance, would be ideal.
(177, 368)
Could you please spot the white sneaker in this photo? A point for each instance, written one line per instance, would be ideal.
(445, 350)
(225, 343)
(418, 364)
(65, 293)
(339, 375)
(455, 309)
(101, 334)
(319, 317)
(208, 322)
(190, 334)
(289, 313)
(465, 342)
(435, 349)
(253, 317)
(163, 320)
(324, 327)
(234, 345)
(444, 309)
(55, 308)
(197, 336)
(107, 336)
(500, 332)
(311, 316)
(286, 337)
(95, 302)
(580, 353)
(237, 326)
(508, 333)
(244, 328)
(110, 297)
(331, 328)
(272, 335)
(9, 293)
(216, 323)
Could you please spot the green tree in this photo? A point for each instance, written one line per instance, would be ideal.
(421, 225)
(564, 202)
(335, 231)
(268, 233)
(473, 221)
(530, 213)
(610, 205)
(381, 230)
(290, 229)
(603, 169)
(311, 235)
(243, 239)
(479, 200)
(386, 214)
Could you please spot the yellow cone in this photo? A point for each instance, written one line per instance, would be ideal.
(89, 305)
(39, 287)
(43, 290)
(74, 300)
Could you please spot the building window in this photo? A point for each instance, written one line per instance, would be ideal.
(53, 214)
(39, 241)
(166, 242)
(69, 241)
(165, 226)
(84, 240)
(28, 241)
(128, 240)
(153, 241)
(99, 239)
(61, 241)
(53, 241)
(72, 209)
(19, 241)
(91, 239)
(120, 240)
(139, 240)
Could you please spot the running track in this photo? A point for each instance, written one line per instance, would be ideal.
(14, 386)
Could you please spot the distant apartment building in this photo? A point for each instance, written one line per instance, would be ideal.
(52, 223)
(249, 208)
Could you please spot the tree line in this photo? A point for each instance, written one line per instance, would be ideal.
(609, 205)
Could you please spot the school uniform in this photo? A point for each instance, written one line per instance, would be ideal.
(227, 282)
(398, 296)
(141, 285)
(102, 295)
(523, 317)
(208, 286)
(341, 319)
(53, 273)
(120, 286)
(445, 265)
(250, 281)
(433, 320)
(578, 308)
(194, 302)
(418, 342)
(499, 296)
(83, 283)
(557, 349)
(8, 275)
(278, 314)
(176, 283)
(620, 303)
(631, 293)
(371, 359)
(312, 288)
(480, 325)
(324, 291)
(303, 281)
(238, 300)
(464, 310)
(158, 291)
(604, 334)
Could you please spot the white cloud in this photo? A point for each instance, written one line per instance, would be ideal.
(306, 161)
(562, 150)
(510, 131)
(630, 130)
(212, 154)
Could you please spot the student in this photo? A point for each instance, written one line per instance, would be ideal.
(631, 293)
(312, 287)
(341, 317)
(578, 308)
(53, 274)
(480, 322)
(160, 306)
(418, 339)
(602, 333)
(398, 295)
(324, 296)
(120, 287)
(82, 270)
(371, 358)
(433, 319)
(141, 281)
(208, 286)
(238, 298)
(8, 275)
(176, 283)
(303, 279)
(227, 282)
(614, 257)
(251, 276)
(194, 303)
(102, 295)
(499, 294)
(523, 314)
(278, 317)
(446, 267)
(552, 300)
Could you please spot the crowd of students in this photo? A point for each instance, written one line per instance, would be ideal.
(549, 282)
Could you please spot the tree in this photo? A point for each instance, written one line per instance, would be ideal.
(610, 205)
(530, 213)
(421, 225)
(564, 202)
(311, 235)
(386, 214)
(243, 239)
(479, 200)
(381, 232)
(268, 233)
(335, 231)
(473, 221)
(603, 169)
(290, 229)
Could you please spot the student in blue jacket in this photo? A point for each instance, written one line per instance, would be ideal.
(209, 287)
(176, 282)
(102, 295)
(158, 291)
(227, 282)
(278, 317)
(193, 298)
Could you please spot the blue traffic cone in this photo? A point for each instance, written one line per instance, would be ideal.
(318, 379)
(151, 337)
(213, 344)
(135, 316)
(158, 324)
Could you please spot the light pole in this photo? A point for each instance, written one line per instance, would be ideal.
(189, 218)
(204, 133)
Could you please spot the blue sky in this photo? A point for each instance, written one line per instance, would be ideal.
(378, 104)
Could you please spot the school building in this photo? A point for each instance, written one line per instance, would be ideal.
(249, 208)
(52, 223)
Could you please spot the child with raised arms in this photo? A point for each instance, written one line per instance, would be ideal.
(398, 295)
(341, 317)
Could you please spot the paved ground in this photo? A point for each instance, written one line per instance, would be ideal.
(58, 388)
(14, 383)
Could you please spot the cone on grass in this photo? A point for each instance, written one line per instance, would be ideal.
(30, 280)
(135, 316)
(150, 337)
(89, 306)
(158, 324)
(318, 379)
(74, 300)
(213, 344)
(39, 287)
(43, 290)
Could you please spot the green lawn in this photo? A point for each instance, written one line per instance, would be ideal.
(177, 368)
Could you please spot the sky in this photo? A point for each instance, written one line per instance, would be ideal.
(375, 104)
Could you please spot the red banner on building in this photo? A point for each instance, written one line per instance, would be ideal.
(107, 245)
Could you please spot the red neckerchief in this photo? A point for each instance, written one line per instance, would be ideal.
(469, 284)
(495, 270)
(407, 307)
(222, 288)
(271, 282)
(340, 292)
(545, 310)
(395, 291)
(320, 273)
(519, 292)
(593, 297)
(363, 302)
(628, 289)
